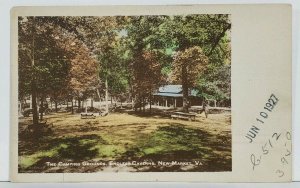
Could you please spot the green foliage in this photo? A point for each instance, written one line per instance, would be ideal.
(136, 54)
(216, 85)
(41, 57)
(174, 34)
(114, 67)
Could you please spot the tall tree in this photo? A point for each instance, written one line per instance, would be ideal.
(209, 32)
(187, 67)
(84, 73)
(41, 60)
(114, 70)
(48, 56)
(147, 77)
(146, 53)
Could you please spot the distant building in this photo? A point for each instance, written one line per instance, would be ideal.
(171, 96)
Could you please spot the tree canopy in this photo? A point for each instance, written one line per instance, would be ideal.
(75, 57)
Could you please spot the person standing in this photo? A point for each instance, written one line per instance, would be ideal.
(204, 107)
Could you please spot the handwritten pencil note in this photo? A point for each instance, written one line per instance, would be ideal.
(278, 141)
(274, 145)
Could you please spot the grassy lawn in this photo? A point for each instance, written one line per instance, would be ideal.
(127, 137)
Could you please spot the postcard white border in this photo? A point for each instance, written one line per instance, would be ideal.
(239, 15)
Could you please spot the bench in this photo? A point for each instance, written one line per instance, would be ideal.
(182, 115)
(87, 115)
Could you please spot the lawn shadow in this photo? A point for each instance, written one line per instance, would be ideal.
(176, 142)
(170, 141)
(155, 113)
(65, 149)
(30, 139)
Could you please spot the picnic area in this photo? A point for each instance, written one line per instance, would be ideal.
(141, 93)
(127, 137)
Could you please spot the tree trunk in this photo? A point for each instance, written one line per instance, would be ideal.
(55, 105)
(144, 104)
(79, 104)
(38, 105)
(140, 103)
(72, 107)
(67, 104)
(20, 108)
(150, 100)
(92, 103)
(132, 104)
(133, 97)
(106, 95)
(35, 116)
(30, 104)
(185, 90)
(42, 109)
(85, 105)
(98, 94)
(133, 101)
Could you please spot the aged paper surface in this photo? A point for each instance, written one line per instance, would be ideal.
(253, 140)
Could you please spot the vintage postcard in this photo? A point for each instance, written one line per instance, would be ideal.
(151, 93)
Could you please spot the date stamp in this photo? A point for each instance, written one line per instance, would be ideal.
(262, 117)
